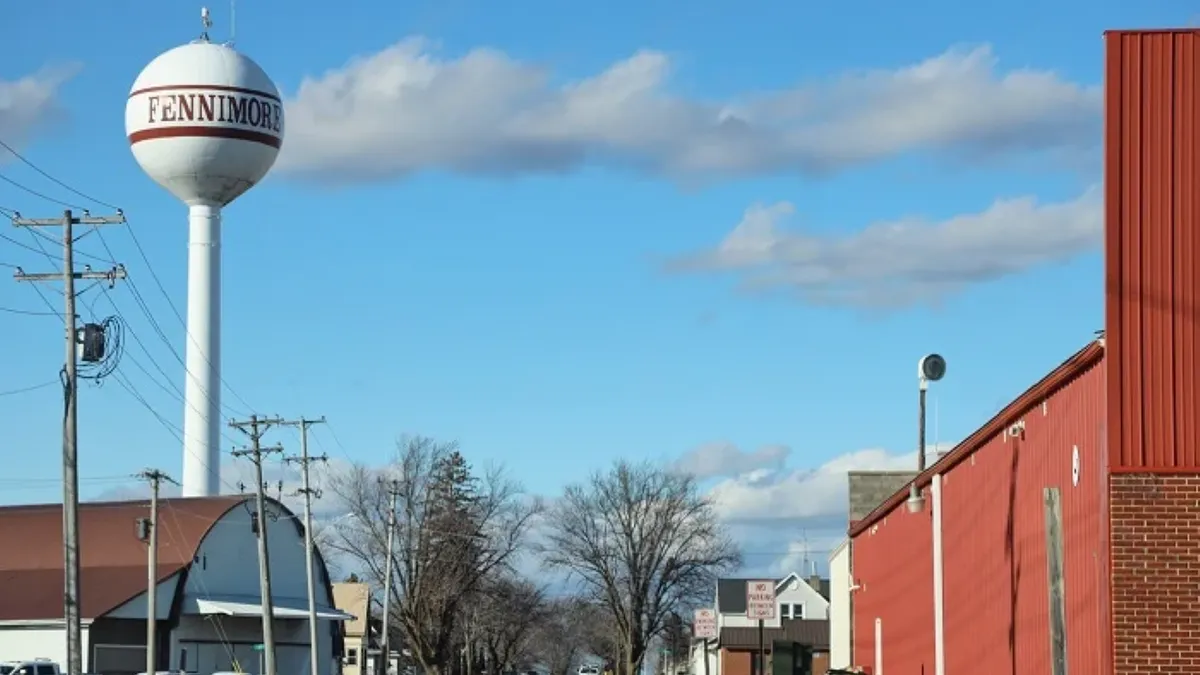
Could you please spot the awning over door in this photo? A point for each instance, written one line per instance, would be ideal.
(281, 610)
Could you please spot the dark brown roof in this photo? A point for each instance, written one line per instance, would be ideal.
(1058, 378)
(731, 594)
(809, 632)
(113, 559)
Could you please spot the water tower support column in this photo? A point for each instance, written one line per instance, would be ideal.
(202, 404)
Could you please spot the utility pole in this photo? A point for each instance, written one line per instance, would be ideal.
(393, 489)
(149, 532)
(70, 436)
(255, 428)
(309, 493)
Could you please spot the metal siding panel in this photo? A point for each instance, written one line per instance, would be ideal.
(893, 565)
(978, 565)
(1151, 248)
(994, 540)
(1187, 247)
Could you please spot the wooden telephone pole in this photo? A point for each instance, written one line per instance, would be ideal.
(304, 460)
(69, 276)
(148, 532)
(255, 428)
(393, 490)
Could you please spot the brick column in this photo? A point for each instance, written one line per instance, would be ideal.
(1155, 539)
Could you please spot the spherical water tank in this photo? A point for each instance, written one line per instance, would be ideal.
(205, 122)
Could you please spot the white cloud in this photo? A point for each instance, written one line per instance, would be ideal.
(786, 518)
(29, 104)
(901, 262)
(405, 109)
(816, 496)
(714, 460)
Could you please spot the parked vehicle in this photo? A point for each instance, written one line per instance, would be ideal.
(34, 667)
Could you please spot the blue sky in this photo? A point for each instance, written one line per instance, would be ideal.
(547, 284)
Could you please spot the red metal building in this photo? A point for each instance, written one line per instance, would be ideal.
(1064, 535)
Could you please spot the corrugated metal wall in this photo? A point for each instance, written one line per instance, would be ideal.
(994, 533)
(994, 540)
(1152, 247)
(893, 565)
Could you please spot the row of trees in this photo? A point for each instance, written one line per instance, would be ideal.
(636, 545)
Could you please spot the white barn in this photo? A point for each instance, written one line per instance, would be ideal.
(209, 616)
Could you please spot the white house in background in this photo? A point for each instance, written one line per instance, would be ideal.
(840, 622)
(797, 598)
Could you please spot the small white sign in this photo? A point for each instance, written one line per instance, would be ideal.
(704, 624)
(760, 600)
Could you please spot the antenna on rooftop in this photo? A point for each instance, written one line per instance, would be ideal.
(206, 22)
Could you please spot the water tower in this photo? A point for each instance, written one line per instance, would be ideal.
(206, 123)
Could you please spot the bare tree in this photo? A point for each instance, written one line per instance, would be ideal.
(443, 551)
(324, 541)
(509, 610)
(676, 638)
(643, 541)
(570, 629)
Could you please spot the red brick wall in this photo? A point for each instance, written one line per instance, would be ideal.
(734, 662)
(1155, 573)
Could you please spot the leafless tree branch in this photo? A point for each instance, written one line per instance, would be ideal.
(436, 562)
(643, 542)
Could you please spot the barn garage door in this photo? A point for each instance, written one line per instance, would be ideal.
(118, 659)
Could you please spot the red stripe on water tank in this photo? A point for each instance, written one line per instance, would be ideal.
(205, 132)
(205, 87)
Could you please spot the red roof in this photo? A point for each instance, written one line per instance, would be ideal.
(1057, 379)
(113, 559)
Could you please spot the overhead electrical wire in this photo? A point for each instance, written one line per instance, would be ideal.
(170, 303)
(35, 387)
(140, 300)
(35, 193)
(27, 312)
(121, 380)
(54, 180)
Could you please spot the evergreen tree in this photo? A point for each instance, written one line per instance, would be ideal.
(454, 515)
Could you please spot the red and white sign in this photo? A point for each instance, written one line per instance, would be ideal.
(760, 600)
(704, 624)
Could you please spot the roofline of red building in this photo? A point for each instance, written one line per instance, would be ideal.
(1150, 31)
(1059, 377)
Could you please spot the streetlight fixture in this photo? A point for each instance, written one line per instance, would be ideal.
(931, 368)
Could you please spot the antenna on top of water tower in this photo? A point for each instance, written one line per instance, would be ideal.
(206, 21)
(232, 23)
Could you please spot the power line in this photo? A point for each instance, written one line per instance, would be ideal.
(35, 193)
(26, 312)
(122, 381)
(130, 283)
(52, 179)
